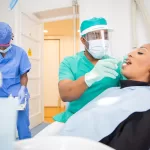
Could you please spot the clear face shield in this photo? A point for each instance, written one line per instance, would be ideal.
(98, 43)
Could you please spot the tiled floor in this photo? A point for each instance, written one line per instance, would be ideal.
(49, 112)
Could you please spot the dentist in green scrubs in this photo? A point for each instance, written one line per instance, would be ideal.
(87, 74)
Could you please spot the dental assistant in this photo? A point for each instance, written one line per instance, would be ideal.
(87, 74)
(14, 66)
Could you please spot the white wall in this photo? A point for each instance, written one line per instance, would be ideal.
(118, 15)
(5, 14)
(143, 36)
(117, 12)
(10, 17)
(41, 5)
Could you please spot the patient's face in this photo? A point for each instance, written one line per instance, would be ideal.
(137, 66)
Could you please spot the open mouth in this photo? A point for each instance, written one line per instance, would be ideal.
(128, 62)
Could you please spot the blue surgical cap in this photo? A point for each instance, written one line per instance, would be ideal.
(5, 34)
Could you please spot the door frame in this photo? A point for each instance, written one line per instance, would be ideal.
(34, 121)
(19, 11)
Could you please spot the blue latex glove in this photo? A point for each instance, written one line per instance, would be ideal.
(22, 94)
(103, 68)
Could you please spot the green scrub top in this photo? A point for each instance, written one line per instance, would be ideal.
(75, 67)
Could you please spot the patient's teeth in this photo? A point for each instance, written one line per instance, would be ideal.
(124, 64)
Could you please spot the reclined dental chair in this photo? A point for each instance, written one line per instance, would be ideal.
(59, 143)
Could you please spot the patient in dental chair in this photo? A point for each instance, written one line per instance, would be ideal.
(119, 117)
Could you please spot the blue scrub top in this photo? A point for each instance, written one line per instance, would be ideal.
(12, 66)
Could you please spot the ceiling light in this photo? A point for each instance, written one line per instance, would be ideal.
(45, 31)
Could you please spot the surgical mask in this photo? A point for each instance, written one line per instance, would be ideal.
(98, 48)
(6, 50)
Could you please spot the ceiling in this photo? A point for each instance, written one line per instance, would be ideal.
(53, 13)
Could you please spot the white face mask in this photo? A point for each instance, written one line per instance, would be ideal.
(6, 50)
(98, 48)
